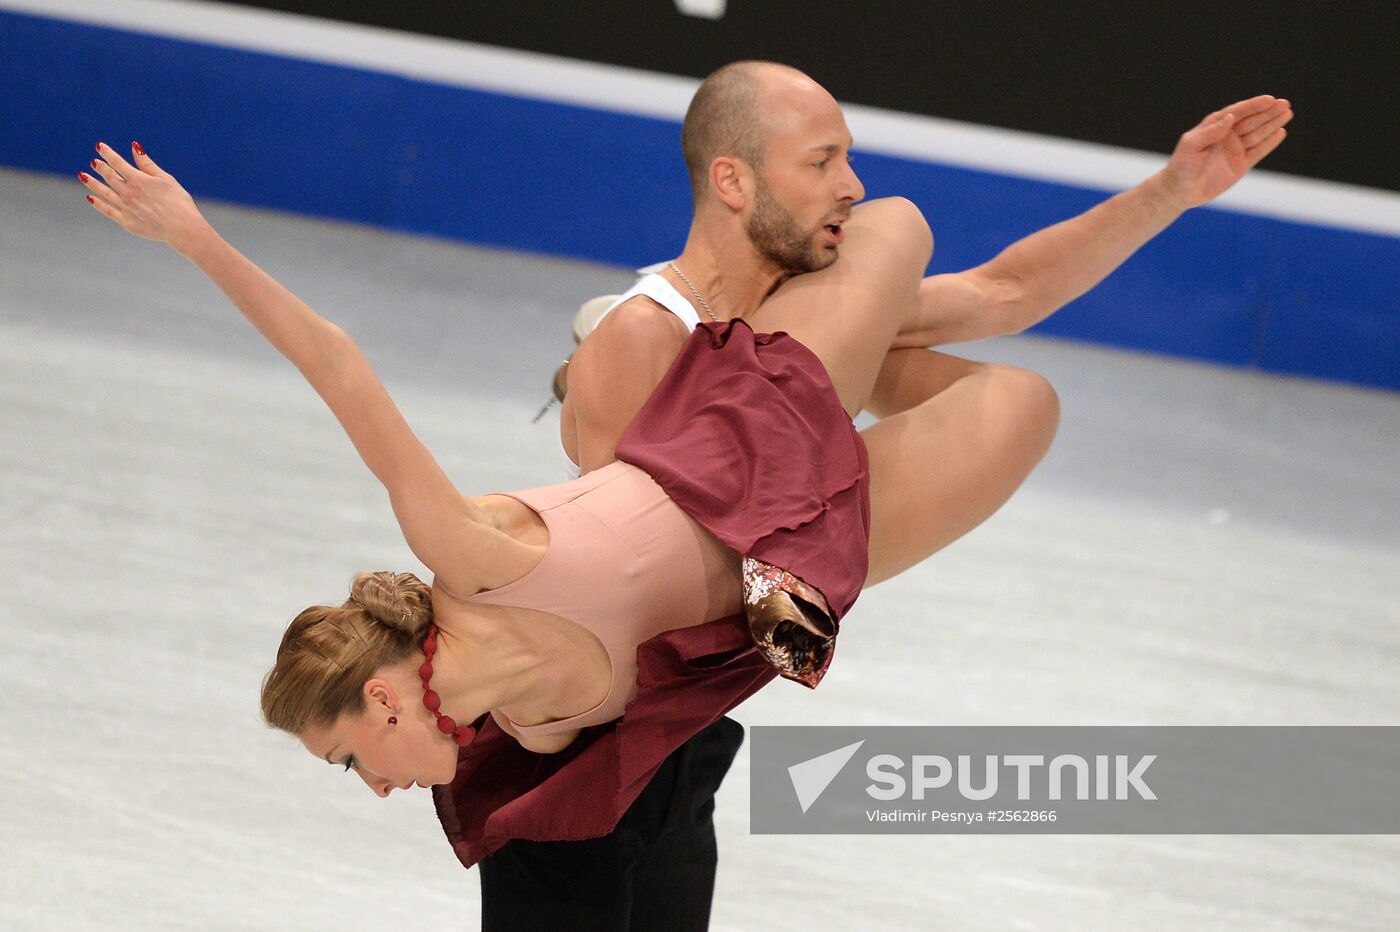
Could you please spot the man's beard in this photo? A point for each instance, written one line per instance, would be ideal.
(776, 235)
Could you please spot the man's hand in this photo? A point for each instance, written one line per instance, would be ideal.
(1218, 152)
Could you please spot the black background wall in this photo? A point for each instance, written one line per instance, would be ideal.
(1123, 73)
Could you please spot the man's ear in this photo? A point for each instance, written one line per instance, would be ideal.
(732, 181)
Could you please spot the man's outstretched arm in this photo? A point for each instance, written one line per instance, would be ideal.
(1038, 275)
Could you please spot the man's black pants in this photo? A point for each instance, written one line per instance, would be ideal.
(655, 871)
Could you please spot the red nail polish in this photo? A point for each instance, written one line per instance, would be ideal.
(94, 164)
(99, 146)
(90, 200)
(83, 177)
(136, 147)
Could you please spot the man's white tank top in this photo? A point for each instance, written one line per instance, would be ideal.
(663, 293)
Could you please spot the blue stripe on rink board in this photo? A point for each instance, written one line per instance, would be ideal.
(488, 168)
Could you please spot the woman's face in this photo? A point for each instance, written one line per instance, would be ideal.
(387, 757)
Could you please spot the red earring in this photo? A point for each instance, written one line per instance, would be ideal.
(393, 720)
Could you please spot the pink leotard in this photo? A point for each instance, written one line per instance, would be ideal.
(625, 563)
(747, 437)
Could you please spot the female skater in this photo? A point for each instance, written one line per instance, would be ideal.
(553, 610)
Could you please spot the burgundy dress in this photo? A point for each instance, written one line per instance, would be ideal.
(745, 433)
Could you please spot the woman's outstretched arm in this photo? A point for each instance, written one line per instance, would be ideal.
(442, 527)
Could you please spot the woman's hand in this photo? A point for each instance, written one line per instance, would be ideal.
(142, 197)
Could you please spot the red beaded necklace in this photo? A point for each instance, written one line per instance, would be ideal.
(462, 734)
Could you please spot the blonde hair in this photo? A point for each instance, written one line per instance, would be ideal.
(328, 653)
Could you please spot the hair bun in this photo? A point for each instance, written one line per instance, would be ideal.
(396, 600)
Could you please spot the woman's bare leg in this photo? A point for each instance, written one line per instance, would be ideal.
(966, 436)
(958, 436)
(849, 313)
(909, 377)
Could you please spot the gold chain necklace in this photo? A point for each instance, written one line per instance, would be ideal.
(694, 292)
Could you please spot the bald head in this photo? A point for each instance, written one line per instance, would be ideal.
(731, 115)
